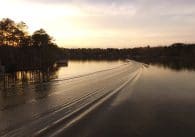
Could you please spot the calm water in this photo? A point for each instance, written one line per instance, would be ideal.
(19, 87)
(159, 101)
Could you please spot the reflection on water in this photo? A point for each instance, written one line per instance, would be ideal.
(16, 87)
(22, 86)
(177, 65)
(174, 64)
(76, 68)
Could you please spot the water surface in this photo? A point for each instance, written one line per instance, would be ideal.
(19, 87)
(158, 101)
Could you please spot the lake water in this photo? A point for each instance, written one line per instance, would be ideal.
(160, 102)
(19, 87)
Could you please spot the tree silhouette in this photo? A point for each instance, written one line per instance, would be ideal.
(24, 38)
(21, 51)
(40, 38)
(13, 34)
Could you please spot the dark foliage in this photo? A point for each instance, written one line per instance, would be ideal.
(176, 51)
(21, 51)
(90, 54)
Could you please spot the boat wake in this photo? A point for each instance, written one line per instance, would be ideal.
(91, 92)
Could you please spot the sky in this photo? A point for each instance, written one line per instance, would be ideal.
(107, 23)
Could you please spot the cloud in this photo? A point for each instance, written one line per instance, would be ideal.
(140, 20)
(128, 7)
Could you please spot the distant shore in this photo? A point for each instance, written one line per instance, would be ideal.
(177, 50)
(20, 50)
(32, 58)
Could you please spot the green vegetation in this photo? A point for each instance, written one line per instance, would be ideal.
(21, 51)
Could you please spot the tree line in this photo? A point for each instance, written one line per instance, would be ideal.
(21, 51)
(17, 35)
(176, 51)
(176, 56)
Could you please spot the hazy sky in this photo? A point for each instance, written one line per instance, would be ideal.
(107, 23)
